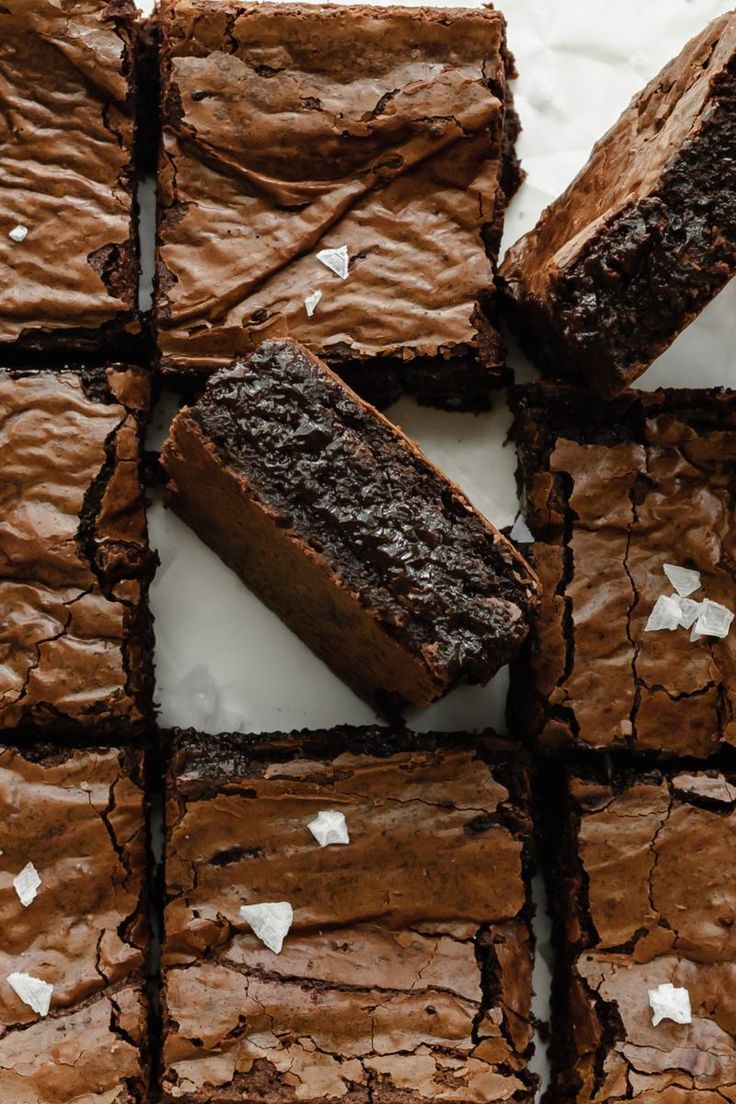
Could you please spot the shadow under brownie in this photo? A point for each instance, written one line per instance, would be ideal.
(343, 527)
(293, 129)
(406, 972)
(641, 882)
(75, 632)
(78, 817)
(611, 493)
(68, 246)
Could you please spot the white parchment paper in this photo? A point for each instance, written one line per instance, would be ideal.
(223, 660)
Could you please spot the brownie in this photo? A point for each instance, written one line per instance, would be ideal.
(68, 247)
(642, 884)
(645, 236)
(343, 527)
(73, 919)
(75, 632)
(613, 491)
(292, 129)
(405, 974)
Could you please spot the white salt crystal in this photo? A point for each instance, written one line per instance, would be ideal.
(32, 991)
(270, 922)
(26, 884)
(311, 301)
(683, 579)
(19, 233)
(336, 260)
(713, 620)
(665, 615)
(670, 1003)
(329, 827)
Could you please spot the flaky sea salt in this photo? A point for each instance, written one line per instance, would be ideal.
(336, 260)
(684, 581)
(665, 615)
(270, 922)
(329, 826)
(19, 233)
(713, 620)
(311, 301)
(668, 1002)
(26, 884)
(32, 991)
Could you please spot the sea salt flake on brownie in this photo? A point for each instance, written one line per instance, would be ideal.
(665, 614)
(669, 1002)
(689, 612)
(311, 301)
(683, 579)
(329, 826)
(32, 991)
(714, 620)
(19, 233)
(270, 922)
(336, 260)
(26, 884)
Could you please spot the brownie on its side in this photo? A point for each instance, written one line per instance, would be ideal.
(643, 884)
(75, 633)
(292, 129)
(73, 919)
(68, 239)
(405, 974)
(612, 492)
(645, 236)
(343, 527)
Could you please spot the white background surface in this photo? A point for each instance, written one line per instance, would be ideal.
(223, 660)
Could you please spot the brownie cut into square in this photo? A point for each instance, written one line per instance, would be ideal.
(342, 526)
(338, 175)
(613, 492)
(75, 632)
(73, 1006)
(405, 972)
(68, 239)
(643, 888)
(645, 236)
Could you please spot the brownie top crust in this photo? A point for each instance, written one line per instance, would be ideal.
(289, 129)
(66, 147)
(651, 902)
(406, 971)
(613, 492)
(391, 527)
(74, 560)
(77, 817)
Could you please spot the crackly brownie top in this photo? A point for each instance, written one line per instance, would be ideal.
(73, 552)
(654, 904)
(631, 160)
(77, 817)
(394, 530)
(65, 162)
(613, 491)
(291, 129)
(406, 971)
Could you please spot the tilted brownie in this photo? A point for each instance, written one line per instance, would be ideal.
(632, 505)
(73, 1010)
(339, 175)
(75, 633)
(347, 919)
(68, 239)
(645, 236)
(343, 527)
(643, 886)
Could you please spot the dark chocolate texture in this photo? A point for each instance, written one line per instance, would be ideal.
(78, 816)
(67, 92)
(289, 129)
(75, 633)
(343, 526)
(642, 884)
(611, 492)
(645, 236)
(406, 974)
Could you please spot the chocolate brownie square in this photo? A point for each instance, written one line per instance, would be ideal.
(73, 1009)
(339, 175)
(645, 236)
(642, 883)
(75, 633)
(347, 919)
(628, 652)
(68, 239)
(343, 527)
